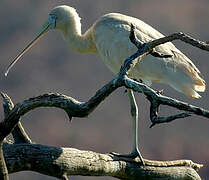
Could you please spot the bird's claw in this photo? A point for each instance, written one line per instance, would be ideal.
(160, 91)
(132, 155)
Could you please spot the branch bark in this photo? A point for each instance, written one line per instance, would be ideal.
(19, 135)
(3, 168)
(60, 162)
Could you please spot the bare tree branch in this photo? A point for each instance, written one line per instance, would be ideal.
(3, 168)
(175, 36)
(62, 162)
(19, 134)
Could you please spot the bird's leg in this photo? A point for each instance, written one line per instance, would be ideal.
(134, 113)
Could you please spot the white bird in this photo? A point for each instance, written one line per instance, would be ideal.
(109, 37)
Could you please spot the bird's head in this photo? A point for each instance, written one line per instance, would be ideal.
(58, 18)
(62, 16)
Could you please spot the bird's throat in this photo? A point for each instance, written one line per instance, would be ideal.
(81, 43)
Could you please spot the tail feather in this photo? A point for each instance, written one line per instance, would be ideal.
(188, 83)
(200, 85)
(189, 89)
(199, 88)
(190, 93)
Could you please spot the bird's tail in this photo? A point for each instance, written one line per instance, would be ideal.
(191, 89)
(200, 85)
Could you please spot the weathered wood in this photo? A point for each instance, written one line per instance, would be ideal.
(19, 135)
(3, 168)
(56, 162)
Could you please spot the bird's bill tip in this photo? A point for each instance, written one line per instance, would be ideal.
(6, 73)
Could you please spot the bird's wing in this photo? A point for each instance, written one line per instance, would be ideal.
(164, 49)
(177, 63)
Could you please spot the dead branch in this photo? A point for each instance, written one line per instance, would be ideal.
(57, 161)
(19, 135)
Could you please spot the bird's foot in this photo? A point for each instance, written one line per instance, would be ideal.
(131, 155)
(160, 91)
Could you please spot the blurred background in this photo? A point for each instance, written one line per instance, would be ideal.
(51, 67)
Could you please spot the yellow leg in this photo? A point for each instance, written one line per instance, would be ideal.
(134, 113)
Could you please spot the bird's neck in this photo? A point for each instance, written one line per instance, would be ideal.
(82, 43)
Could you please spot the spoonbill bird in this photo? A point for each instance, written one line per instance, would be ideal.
(109, 37)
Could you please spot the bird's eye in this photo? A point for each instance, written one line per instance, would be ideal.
(52, 20)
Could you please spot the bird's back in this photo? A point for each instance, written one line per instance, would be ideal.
(111, 35)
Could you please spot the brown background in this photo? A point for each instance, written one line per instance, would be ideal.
(51, 67)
